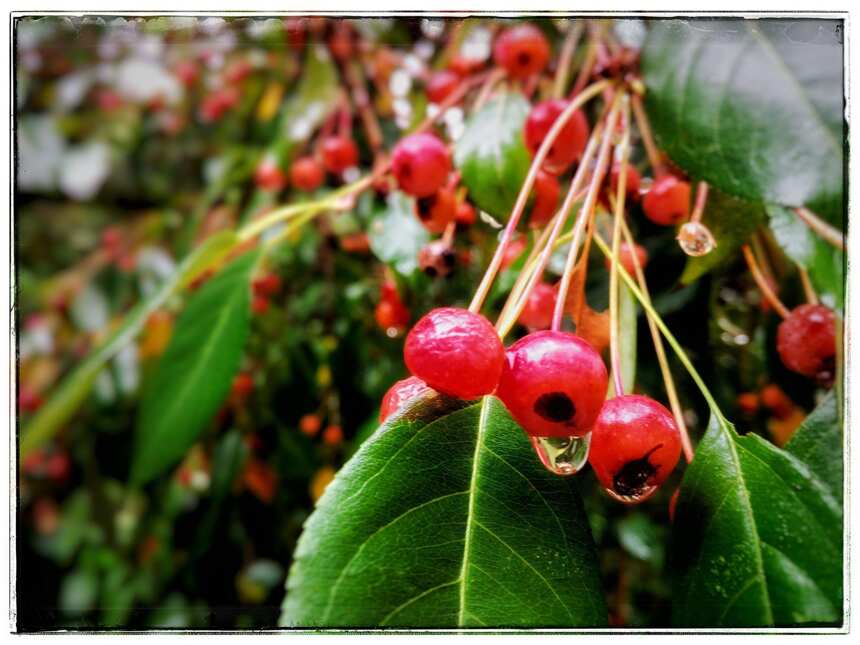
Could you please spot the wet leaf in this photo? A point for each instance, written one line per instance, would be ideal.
(446, 518)
(818, 443)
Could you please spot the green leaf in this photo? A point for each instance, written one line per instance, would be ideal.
(754, 107)
(731, 221)
(491, 154)
(757, 538)
(818, 443)
(194, 375)
(446, 518)
(824, 263)
(642, 538)
(396, 236)
(73, 390)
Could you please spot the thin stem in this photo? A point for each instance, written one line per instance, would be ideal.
(355, 77)
(525, 190)
(701, 200)
(574, 33)
(484, 93)
(762, 283)
(585, 214)
(825, 231)
(654, 156)
(585, 70)
(673, 342)
(668, 381)
(808, 289)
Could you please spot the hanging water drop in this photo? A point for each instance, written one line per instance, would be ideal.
(696, 239)
(562, 455)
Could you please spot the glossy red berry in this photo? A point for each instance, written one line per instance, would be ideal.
(547, 191)
(537, 314)
(420, 163)
(269, 176)
(339, 153)
(806, 342)
(570, 143)
(521, 50)
(553, 384)
(307, 174)
(441, 84)
(465, 214)
(437, 210)
(667, 202)
(625, 256)
(455, 352)
(399, 394)
(437, 259)
(633, 182)
(635, 445)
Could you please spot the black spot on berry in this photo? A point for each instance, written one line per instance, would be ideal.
(523, 59)
(424, 206)
(826, 371)
(556, 407)
(430, 271)
(449, 258)
(633, 477)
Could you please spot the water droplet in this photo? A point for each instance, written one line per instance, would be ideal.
(640, 496)
(696, 239)
(562, 455)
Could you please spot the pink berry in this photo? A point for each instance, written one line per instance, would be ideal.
(420, 164)
(441, 85)
(537, 314)
(570, 143)
(455, 352)
(339, 153)
(400, 394)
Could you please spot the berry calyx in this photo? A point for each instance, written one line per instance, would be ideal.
(400, 394)
(537, 314)
(437, 211)
(437, 259)
(553, 384)
(441, 84)
(455, 352)
(420, 163)
(339, 153)
(521, 50)
(547, 191)
(806, 342)
(571, 141)
(667, 202)
(625, 256)
(307, 174)
(635, 445)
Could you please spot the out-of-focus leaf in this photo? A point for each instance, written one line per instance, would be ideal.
(818, 443)
(491, 153)
(194, 375)
(78, 592)
(754, 107)
(453, 522)
(396, 235)
(642, 538)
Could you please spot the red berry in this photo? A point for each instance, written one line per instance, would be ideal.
(28, 399)
(547, 191)
(437, 259)
(522, 50)
(537, 314)
(777, 401)
(806, 342)
(187, 72)
(108, 100)
(269, 176)
(463, 66)
(553, 384)
(266, 285)
(455, 352)
(632, 185)
(340, 41)
(420, 163)
(310, 424)
(437, 211)
(513, 251)
(243, 385)
(339, 153)
(399, 394)
(260, 305)
(747, 403)
(570, 143)
(238, 71)
(307, 174)
(626, 258)
(667, 202)
(333, 435)
(441, 85)
(635, 445)
(465, 214)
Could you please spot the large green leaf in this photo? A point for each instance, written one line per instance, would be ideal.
(396, 236)
(732, 221)
(491, 154)
(754, 107)
(446, 518)
(195, 372)
(75, 387)
(818, 443)
(757, 538)
(825, 264)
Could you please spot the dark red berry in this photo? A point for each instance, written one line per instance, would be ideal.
(547, 191)
(521, 50)
(399, 394)
(631, 187)
(553, 384)
(437, 259)
(340, 42)
(537, 314)
(455, 352)
(635, 445)
(28, 399)
(266, 285)
(259, 305)
(806, 342)
(307, 173)
(243, 385)
(570, 143)
(339, 153)
(420, 163)
(437, 211)
(747, 403)
(626, 258)
(310, 424)
(465, 214)
(667, 202)
(441, 85)
(269, 176)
